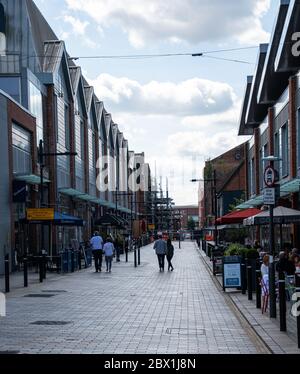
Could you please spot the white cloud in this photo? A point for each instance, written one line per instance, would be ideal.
(191, 97)
(191, 21)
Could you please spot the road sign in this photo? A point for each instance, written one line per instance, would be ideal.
(270, 176)
(40, 214)
(269, 196)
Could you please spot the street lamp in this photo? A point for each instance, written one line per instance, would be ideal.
(270, 182)
(214, 199)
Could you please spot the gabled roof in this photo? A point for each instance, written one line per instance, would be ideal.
(270, 88)
(243, 129)
(75, 75)
(88, 92)
(255, 112)
(108, 120)
(99, 110)
(114, 130)
(285, 60)
(120, 139)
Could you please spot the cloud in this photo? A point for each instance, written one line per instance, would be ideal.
(191, 97)
(190, 21)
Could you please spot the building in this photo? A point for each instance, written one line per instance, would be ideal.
(57, 106)
(185, 214)
(271, 116)
(224, 184)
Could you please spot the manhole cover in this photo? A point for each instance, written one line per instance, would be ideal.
(9, 352)
(50, 323)
(185, 331)
(54, 291)
(39, 295)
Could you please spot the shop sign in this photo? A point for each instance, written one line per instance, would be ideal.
(232, 272)
(44, 214)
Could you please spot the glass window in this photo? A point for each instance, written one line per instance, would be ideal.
(11, 85)
(21, 142)
(67, 127)
(284, 151)
(36, 108)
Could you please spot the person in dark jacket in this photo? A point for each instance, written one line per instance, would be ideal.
(285, 265)
(170, 254)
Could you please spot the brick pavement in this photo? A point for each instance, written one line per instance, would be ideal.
(128, 311)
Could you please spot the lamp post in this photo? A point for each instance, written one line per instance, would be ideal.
(270, 178)
(41, 161)
(214, 200)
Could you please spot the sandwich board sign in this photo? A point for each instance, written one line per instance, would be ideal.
(232, 275)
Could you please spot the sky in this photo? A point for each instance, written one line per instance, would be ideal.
(181, 110)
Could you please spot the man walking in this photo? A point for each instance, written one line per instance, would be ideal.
(160, 247)
(109, 251)
(97, 245)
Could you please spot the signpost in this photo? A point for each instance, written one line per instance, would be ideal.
(269, 196)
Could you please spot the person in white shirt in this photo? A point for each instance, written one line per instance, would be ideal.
(265, 266)
(108, 250)
(97, 246)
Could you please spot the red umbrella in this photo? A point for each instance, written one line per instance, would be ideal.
(237, 216)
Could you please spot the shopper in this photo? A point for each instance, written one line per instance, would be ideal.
(160, 247)
(265, 266)
(97, 245)
(109, 251)
(170, 254)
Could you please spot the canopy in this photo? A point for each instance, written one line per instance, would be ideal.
(60, 219)
(237, 216)
(111, 220)
(282, 216)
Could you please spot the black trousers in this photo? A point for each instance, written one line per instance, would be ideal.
(98, 259)
(161, 261)
(170, 266)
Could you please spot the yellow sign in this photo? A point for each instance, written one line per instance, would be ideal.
(40, 214)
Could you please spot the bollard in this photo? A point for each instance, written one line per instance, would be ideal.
(135, 259)
(249, 282)
(243, 276)
(126, 254)
(41, 268)
(44, 266)
(79, 260)
(6, 269)
(25, 264)
(282, 302)
(139, 256)
(258, 289)
(72, 262)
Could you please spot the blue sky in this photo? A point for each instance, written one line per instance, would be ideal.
(180, 110)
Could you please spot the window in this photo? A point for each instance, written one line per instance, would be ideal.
(21, 143)
(82, 140)
(11, 85)
(284, 151)
(298, 138)
(36, 108)
(252, 177)
(67, 128)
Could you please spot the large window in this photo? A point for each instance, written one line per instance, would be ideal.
(21, 142)
(284, 151)
(36, 108)
(11, 85)
(67, 128)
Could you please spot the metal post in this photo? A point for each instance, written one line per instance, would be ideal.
(243, 276)
(44, 266)
(25, 264)
(6, 269)
(272, 273)
(258, 288)
(139, 255)
(282, 301)
(126, 253)
(41, 268)
(135, 258)
(249, 282)
(72, 262)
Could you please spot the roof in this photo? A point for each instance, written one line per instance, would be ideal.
(88, 92)
(243, 129)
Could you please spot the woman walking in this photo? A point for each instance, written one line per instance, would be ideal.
(170, 254)
(108, 250)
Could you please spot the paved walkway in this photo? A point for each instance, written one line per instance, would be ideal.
(267, 329)
(128, 311)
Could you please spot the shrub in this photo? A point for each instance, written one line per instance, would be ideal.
(236, 249)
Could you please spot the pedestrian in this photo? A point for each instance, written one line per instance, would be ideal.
(160, 247)
(97, 245)
(108, 250)
(265, 266)
(170, 254)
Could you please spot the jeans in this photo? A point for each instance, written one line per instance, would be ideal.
(98, 259)
(108, 260)
(161, 261)
(169, 258)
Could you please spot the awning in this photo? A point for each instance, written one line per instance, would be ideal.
(60, 219)
(85, 197)
(237, 216)
(30, 179)
(290, 187)
(282, 216)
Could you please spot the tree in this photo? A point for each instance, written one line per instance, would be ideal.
(191, 224)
